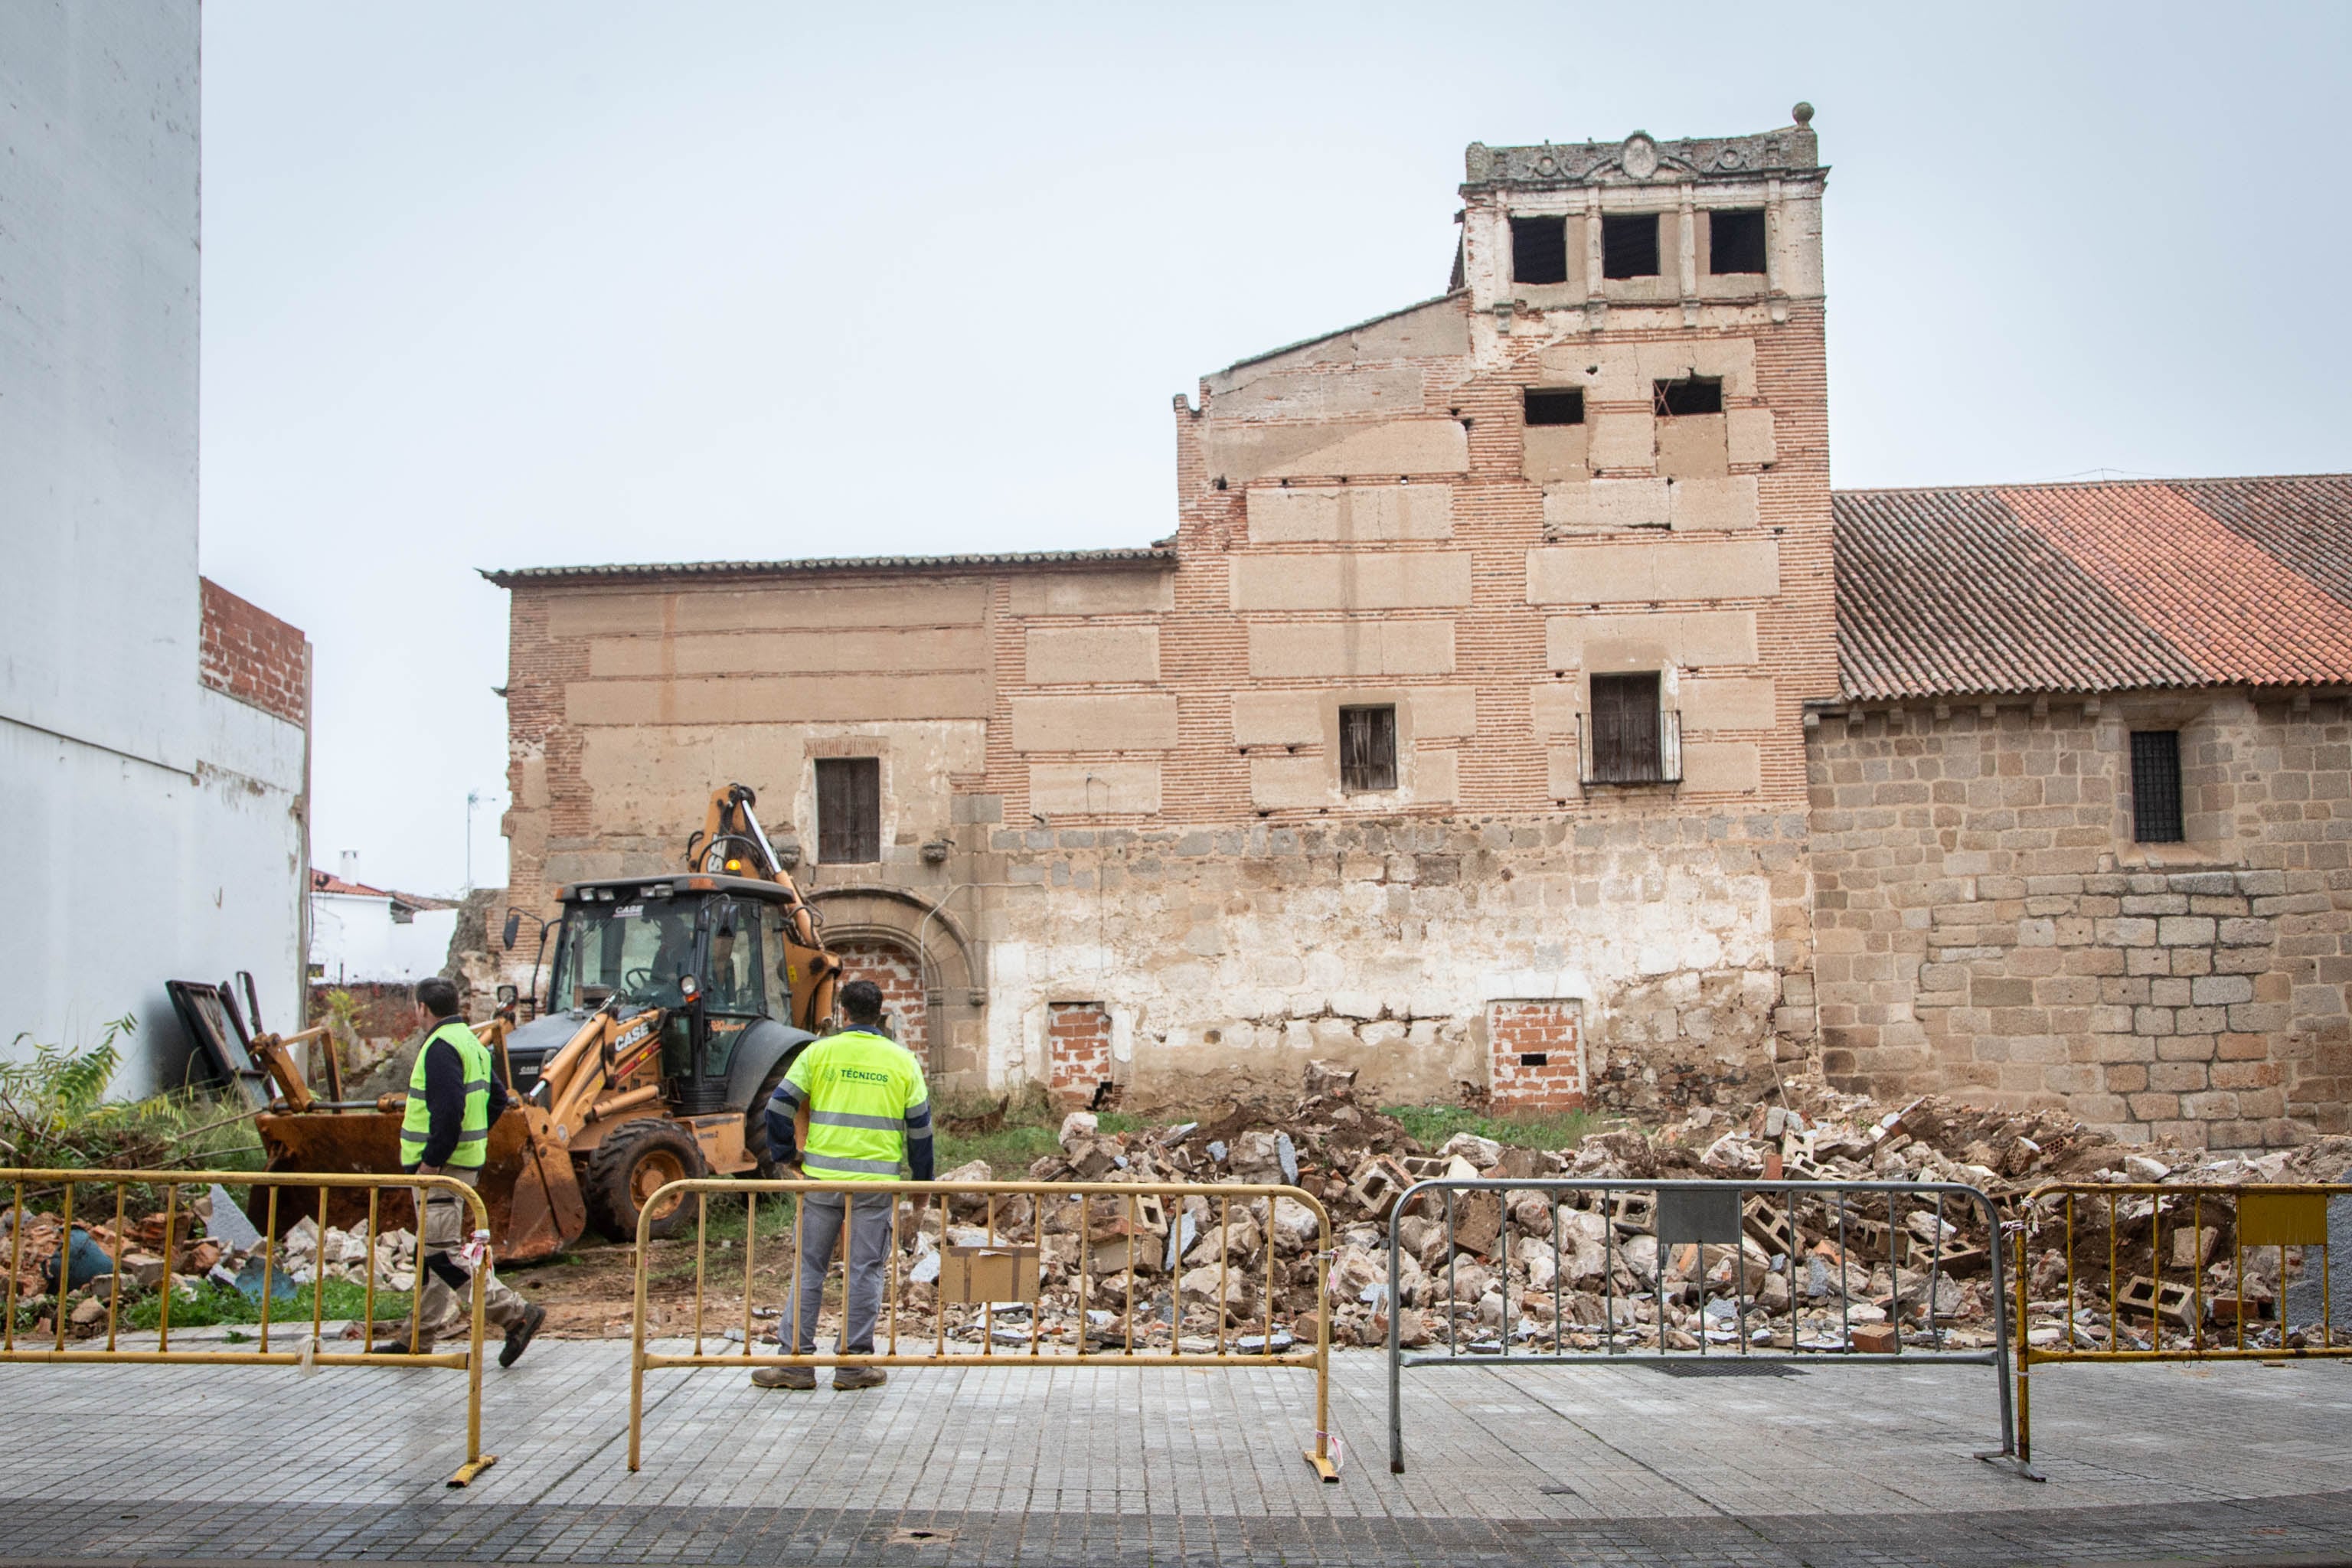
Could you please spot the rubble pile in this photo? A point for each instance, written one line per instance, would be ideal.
(195, 1257)
(1581, 1274)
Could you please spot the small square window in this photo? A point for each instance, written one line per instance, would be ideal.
(1691, 394)
(2156, 786)
(1629, 244)
(1539, 250)
(1734, 241)
(1564, 406)
(1367, 749)
(849, 810)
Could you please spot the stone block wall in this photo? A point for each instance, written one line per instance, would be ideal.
(1227, 958)
(1986, 926)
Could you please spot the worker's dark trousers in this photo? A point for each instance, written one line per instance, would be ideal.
(869, 1255)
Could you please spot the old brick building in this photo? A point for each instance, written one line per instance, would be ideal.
(1460, 730)
(2084, 827)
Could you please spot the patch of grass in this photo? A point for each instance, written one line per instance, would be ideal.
(213, 1305)
(1434, 1124)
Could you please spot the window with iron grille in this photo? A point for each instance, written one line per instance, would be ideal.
(1539, 250)
(1629, 244)
(1735, 240)
(848, 810)
(1367, 749)
(1628, 729)
(2156, 786)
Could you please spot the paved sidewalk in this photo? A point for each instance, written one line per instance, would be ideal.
(1618, 1464)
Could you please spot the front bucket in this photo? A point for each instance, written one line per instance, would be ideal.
(528, 1217)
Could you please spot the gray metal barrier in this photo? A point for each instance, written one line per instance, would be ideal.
(1707, 1213)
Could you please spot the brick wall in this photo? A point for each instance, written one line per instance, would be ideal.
(1133, 764)
(253, 656)
(904, 1003)
(1077, 1051)
(1535, 1053)
(1987, 927)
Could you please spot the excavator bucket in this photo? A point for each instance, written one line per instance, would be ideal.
(530, 1191)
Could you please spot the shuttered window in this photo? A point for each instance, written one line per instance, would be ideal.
(1627, 730)
(2156, 786)
(848, 809)
(1367, 749)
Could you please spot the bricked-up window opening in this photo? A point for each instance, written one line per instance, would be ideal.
(1367, 749)
(1629, 244)
(1562, 406)
(2156, 786)
(1539, 250)
(1735, 240)
(849, 810)
(1691, 394)
(1627, 730)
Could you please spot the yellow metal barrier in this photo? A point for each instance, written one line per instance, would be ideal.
(310, 1352)
(1127, 1222)
(2256, 1217)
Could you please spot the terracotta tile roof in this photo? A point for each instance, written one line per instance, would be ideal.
(2094, 587)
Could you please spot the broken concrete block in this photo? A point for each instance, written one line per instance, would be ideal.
(1478, 1221)
(1077, 1124)
(1377, 1185)
(1330, 1080)
(1483, 1153)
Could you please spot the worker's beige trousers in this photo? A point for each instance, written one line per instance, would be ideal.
(443, 1230)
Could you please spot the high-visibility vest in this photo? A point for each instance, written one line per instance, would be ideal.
(859, 1087)
(473, 1133)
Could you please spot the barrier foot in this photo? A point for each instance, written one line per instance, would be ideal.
(472, 1468)
(1323, 1466)
(2013, 1463)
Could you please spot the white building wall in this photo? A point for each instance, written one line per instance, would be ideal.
(152, 827)
(98, 374)
(354, 940)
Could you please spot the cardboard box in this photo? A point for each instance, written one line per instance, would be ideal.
(1005, 1272)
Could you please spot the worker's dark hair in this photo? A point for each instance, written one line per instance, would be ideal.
(861, 1002)
(438, 997)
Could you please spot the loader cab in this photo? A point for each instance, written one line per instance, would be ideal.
(711, 955)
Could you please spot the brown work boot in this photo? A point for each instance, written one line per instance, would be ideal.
(845, 1378)
(519, 1337)
(800, 1377)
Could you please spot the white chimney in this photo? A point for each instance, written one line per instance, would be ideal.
(351, 871)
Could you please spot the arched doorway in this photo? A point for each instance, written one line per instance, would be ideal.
(906, 1002)
(928, 968)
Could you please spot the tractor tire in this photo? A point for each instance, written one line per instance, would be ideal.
(755, 1121)
(631, 1165)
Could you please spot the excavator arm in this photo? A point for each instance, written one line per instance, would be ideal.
(733, 844)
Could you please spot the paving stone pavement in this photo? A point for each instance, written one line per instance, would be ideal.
(1615, 1463)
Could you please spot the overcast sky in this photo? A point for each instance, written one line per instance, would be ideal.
(516, 284)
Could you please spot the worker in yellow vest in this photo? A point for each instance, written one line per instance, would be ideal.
(454, 1097)
(862, 1098)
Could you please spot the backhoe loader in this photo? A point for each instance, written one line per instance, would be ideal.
(676, 1002)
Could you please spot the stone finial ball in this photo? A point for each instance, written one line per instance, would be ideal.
(1802, 113)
